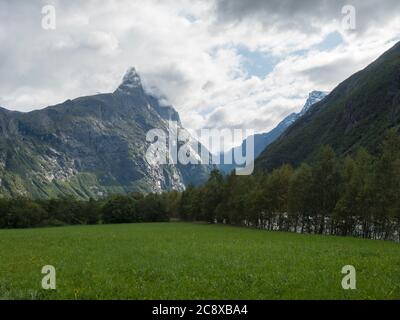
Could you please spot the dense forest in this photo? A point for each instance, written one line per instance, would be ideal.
(26, 213)
(355, 196)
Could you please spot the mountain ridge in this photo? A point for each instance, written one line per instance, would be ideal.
(263, 140)
(355, 114)
(90, 146)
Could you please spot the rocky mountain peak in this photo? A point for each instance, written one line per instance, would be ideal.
(131, 82)
(94, 145)
(313, 98)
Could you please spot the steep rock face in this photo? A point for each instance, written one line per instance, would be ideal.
(90, 147)
(313, 98)
(356, 114)
(263, 140)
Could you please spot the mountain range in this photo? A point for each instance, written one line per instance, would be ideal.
(96, 145)
(90, 147)
(263, 140)
(357, 113)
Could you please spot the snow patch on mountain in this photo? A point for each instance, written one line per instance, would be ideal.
(313, 98)
(263, 140)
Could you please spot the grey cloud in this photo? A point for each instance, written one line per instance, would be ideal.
(331, 73)
(33, 60)
(74, 60)
(299, 14)
(221, 119)
(217, 119)
(260, 124)
(170, 74)
(207, 86)
(169, 77)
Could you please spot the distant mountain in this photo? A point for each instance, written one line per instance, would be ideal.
(356, 114)
(263, 140)
(313, 98)
(90, 147)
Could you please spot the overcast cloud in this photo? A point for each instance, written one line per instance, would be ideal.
(196, 54)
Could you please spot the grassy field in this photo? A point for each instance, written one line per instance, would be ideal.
(192, 261)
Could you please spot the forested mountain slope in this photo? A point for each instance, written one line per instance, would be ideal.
(354, 114)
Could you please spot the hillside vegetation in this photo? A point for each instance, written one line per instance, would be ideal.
(357, 196)
(356, 114)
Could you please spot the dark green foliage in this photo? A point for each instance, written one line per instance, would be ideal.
(213, 192)
(353, 196)
(299, 198)
(325, 186)
(25, 213)
(120, 209)
(358, 195)
(21, 213)
(152, 208)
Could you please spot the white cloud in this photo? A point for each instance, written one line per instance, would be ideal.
(187, 51)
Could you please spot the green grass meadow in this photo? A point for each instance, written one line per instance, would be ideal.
(192, 261)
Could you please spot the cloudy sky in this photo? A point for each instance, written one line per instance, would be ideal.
(221, 63)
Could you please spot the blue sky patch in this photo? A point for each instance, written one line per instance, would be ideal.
(257, 63)
(331, 41)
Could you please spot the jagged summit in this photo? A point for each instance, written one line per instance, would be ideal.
(93, 146)
(313, 98)
(130, 82)
(263, 140)
(355, 115)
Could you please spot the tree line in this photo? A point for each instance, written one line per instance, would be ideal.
(134, 208)
(355, 196)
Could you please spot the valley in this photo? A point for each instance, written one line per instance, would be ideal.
(192, 261)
